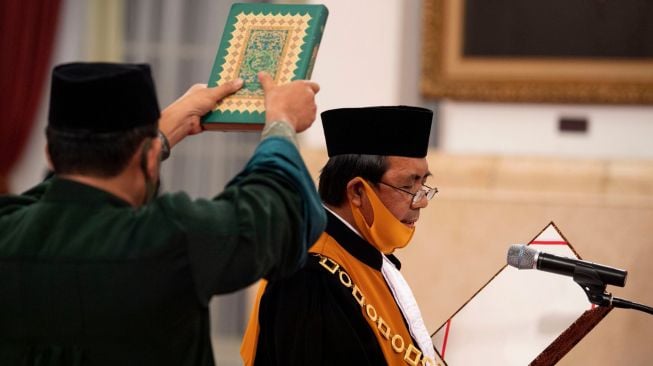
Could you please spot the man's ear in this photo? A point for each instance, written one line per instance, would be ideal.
(48, 158)
(153, 158)
(355, 192)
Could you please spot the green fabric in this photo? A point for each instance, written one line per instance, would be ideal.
(87, 279)
(267, 159)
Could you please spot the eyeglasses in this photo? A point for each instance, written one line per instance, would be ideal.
(424, 191)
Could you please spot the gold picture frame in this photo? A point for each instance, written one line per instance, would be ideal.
(447, 74)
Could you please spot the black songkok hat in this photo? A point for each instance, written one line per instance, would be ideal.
(388, 130)
(102, 97)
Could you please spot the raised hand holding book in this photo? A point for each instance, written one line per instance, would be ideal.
(280, 39)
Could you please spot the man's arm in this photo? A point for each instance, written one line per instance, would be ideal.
(264, 221)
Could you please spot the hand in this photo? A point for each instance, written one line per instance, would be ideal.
(293, 102)
(182, 117)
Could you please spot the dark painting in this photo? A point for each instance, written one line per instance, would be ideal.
(559, 28)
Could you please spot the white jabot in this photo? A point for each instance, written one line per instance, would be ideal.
(406, 301)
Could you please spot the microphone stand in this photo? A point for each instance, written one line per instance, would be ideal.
(625, 304)
(594, 287)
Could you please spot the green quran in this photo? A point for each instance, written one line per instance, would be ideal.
(280, 39)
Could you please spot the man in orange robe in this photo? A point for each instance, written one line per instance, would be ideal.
(350, 304)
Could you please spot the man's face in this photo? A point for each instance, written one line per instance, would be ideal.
(408, 174)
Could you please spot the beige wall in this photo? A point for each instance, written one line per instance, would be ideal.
(603, 207)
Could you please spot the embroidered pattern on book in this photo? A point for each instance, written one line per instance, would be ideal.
(261, 42)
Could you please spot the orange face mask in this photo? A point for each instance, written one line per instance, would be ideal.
(386, 232)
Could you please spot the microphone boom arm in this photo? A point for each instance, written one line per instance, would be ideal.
(590, 281)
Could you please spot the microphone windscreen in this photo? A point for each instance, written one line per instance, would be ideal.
(521, 256)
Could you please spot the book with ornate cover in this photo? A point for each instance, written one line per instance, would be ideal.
(280, 39)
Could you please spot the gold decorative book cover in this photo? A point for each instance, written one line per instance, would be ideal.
(280, 39)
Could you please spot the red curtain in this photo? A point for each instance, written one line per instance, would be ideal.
(27, 30)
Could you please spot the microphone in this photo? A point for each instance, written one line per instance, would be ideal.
(523, 257)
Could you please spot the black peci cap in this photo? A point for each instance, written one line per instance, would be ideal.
(102, 97)
(387, 130)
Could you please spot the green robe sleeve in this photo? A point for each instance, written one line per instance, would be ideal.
(261, 225)
(11, 203)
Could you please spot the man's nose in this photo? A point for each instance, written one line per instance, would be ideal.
(421, 203)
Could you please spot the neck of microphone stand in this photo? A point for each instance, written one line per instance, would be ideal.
(594, 288)
(625, 304)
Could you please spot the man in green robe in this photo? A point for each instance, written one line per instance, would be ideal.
(95, 271)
